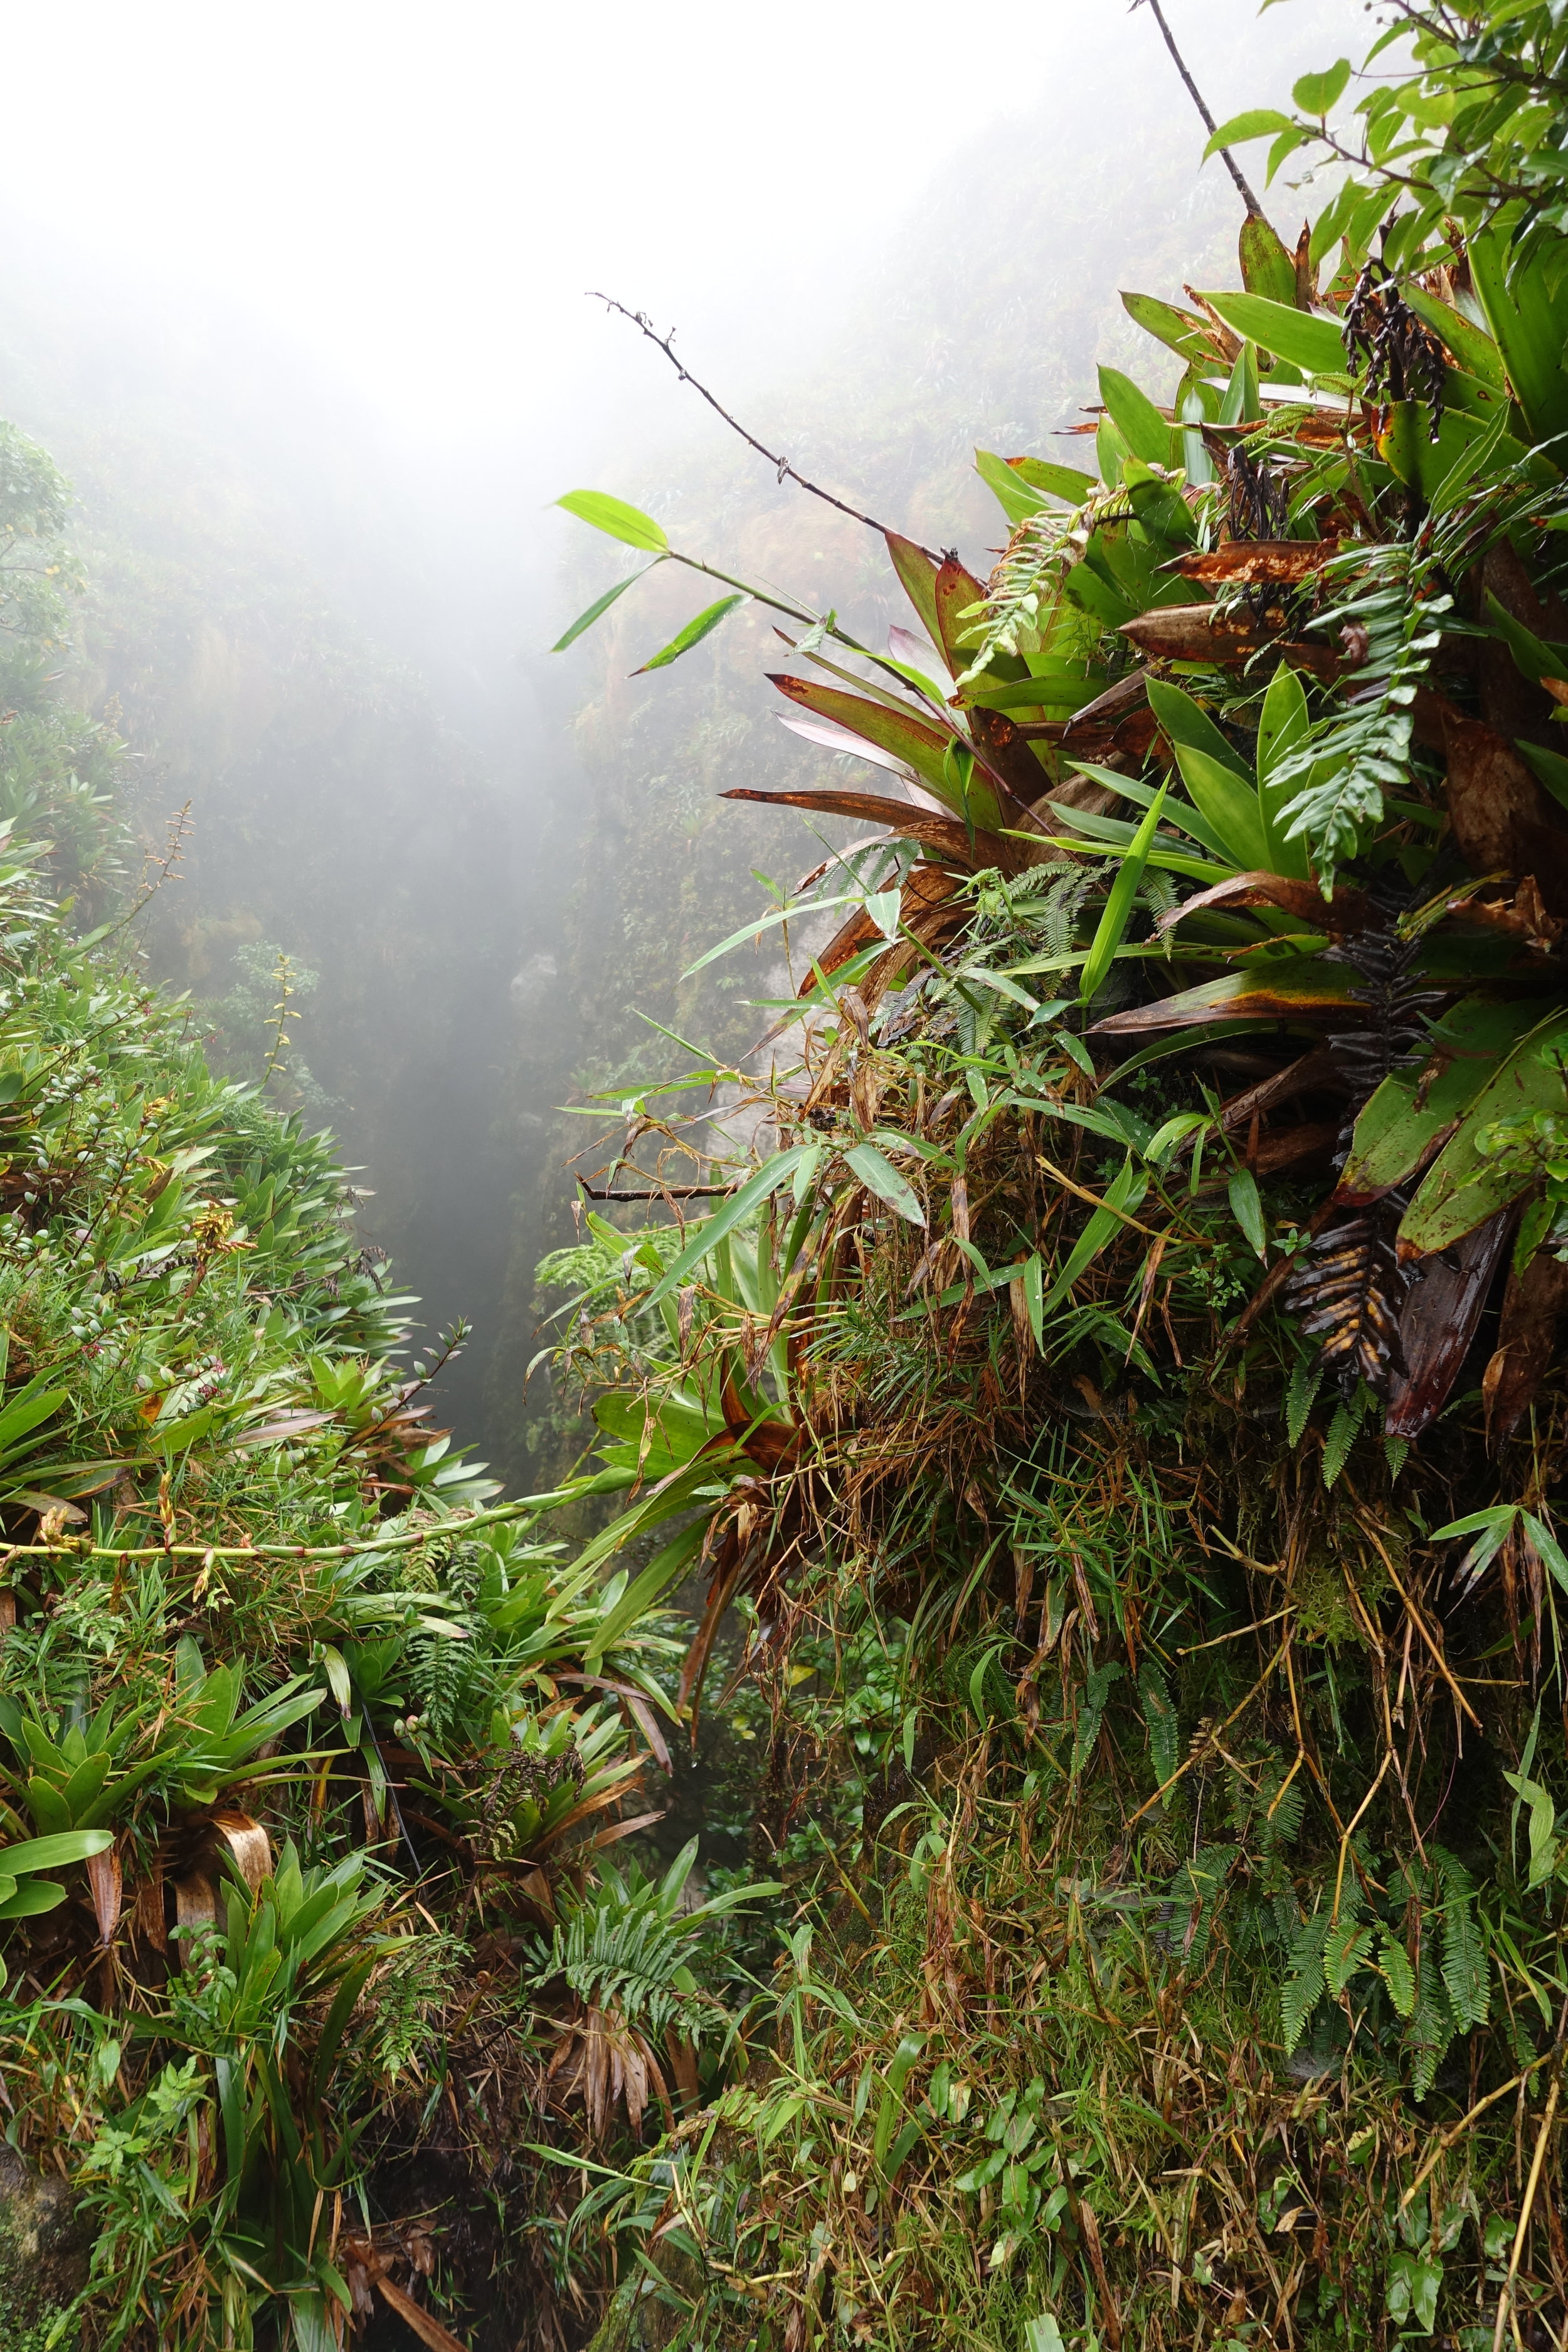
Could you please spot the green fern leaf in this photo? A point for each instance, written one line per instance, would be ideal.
(1300, 1395)
(1344, 1953)
(1431, 2027)
(1466, 1973)
(1397, 1975)
(1304, 1980)
(1160, 1714)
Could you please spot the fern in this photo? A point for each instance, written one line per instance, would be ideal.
(1160, 1714)
(1343, 1431)
(1466, 1973)
(1300, 1395)
(1061, 904)
(1092, 1707)
(1304, 1981)
(1394, 1966)
(1344, 765)
(1199, 1884)
(1431, 2027)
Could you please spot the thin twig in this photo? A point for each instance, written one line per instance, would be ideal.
(660, 1192)
(1202, 1747)
(1458, 2130)
(1505, 2309)
(786, 471)
(1210, 125)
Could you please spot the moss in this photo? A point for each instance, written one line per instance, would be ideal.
(43, 2256)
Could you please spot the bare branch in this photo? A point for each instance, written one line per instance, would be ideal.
(786, 471)
(1231, 165)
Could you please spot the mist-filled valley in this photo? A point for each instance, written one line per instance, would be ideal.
(329, 639)
(782, 1208)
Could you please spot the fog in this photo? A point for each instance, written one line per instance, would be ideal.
(297, 295)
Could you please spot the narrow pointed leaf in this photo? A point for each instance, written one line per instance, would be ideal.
(1118, 913)
(712, 1230)
(599, 607)
(880, 1177)
(700, 626)
(616, 518)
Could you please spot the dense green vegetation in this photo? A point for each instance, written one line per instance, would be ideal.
(1120, 1393)
(1100, 1380)
(306, 1749)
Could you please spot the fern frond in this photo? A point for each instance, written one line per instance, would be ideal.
(1304, 1981)
(1466, 1972)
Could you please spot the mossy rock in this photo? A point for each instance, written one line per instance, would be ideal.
(43, 2248)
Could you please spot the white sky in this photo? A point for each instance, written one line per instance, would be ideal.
(417, 197)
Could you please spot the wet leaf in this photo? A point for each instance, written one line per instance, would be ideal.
(879, 1176)
(598, 608)
(615, 518)
(1463, 1189)
(1285, 988)
(701, 626)
(1305, 338)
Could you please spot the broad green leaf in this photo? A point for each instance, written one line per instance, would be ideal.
(1118, 910)
(701, 626)
(616, 518)
(908, 736)
(917, 576)
(30, 1897)
(796, 912)
(1228, 805)
(336, 1667)
(1258, 122)
(1306, 340)
(1267, 267)
(54, 1853)
(667, 1567)
(26, 1408)
(1183, 331)
(1397, 1127)
(1547, 1545)
(1125, 1193)
(1550, 768)
(1467, 446)
(1282, 727)
(740, 1205)
(1534, 656)
(1243, 402)
(1462, 1189)
(1469, 344)
(1032, 1282)
(1018, 499)
(1059, 481)
(1247, 1208)
(1542, 1826)
(599, 607)
(1136, 418)
(880, 1177)
(1530, 324)
(1318, 93)
(1187, 722)
(1283, 988)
